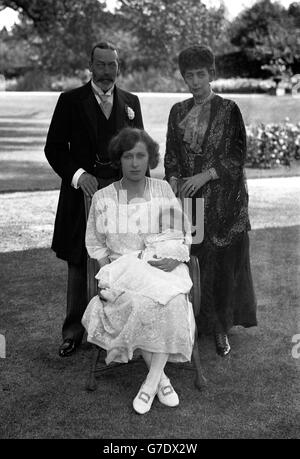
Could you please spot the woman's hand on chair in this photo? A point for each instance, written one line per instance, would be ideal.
(165, 264)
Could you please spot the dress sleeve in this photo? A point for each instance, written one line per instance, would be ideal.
(95, 238)
(171, 159)
(231, 162)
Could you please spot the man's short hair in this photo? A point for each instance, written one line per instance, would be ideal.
(104, 45)
(126, 139)
(194, 57)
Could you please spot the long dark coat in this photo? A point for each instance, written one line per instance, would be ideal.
(227, 294)
(72, 144)
(223, 148)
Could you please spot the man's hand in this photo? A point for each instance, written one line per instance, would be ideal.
(88, 183)
(165, 264)
(193, 184)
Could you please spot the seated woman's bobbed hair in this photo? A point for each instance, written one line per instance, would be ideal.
(126, 139)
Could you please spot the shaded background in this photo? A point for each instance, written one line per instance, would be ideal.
(48, 48)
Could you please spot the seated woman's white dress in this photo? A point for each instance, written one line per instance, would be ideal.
(156, 316)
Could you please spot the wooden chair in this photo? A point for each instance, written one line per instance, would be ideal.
(195, 298)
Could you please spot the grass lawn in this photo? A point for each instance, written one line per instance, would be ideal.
(25, 117)
(251, 394)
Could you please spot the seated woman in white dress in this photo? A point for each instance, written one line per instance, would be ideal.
(133, 273)
(145, 308)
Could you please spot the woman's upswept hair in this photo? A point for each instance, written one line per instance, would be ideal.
(196, 56)
(126, 139)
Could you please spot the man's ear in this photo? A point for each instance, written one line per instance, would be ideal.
(119, 68)
(212, 74)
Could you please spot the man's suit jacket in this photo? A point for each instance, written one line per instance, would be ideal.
(72, 144)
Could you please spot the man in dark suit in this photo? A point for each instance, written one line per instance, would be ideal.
(84, 121)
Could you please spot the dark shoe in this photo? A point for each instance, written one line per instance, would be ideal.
(222, 344)
(67, 348)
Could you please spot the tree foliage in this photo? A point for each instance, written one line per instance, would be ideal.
(294, 12)
(164, 27)
(14, 55)
(56, 36)
(60, 33)
(268, 32)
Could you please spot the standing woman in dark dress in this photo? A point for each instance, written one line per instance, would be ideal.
(205, 156)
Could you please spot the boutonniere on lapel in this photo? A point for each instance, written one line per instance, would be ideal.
(129, 112)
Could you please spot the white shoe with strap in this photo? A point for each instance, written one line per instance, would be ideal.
(166, 393)
(143, 401)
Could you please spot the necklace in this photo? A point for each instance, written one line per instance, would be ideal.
(136, 195)
(206, 99)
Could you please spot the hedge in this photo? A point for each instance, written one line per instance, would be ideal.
(272, 145)
(151, 80)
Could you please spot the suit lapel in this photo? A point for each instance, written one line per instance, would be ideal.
(90, 113)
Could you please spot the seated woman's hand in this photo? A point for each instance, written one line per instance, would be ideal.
(104, 261)
(109, 294)
(166, 264)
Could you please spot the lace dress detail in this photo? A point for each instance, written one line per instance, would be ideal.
(195, 125)
(146, 308)
(163, 247)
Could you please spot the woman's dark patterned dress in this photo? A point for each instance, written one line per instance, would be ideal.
(226, 283)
